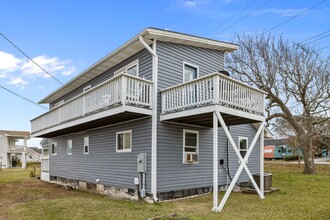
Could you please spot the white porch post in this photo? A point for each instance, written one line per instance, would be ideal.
(215, 163)
(154, 115)
(262, 134)
(23, 160)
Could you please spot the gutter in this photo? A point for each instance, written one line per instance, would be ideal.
(154, 116)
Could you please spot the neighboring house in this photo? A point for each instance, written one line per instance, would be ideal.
(13, 154)
(151, 110)
(278, 149)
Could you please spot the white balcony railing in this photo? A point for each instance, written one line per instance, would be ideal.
(15, 147)
(121, 89)
(212, 89)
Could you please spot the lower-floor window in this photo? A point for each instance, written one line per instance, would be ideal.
(86, 145)
(69, 147)
(190, 146)
(54, 148)
(243, 146)
(124, 141)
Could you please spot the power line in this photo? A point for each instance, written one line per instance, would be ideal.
(325, 47)
(293, 17)
(233, 16)
(30, 58)
(245, 16)
(315, 36)
(317, 39)
(24, 98)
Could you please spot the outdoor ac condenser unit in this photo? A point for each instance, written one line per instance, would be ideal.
(267, 180)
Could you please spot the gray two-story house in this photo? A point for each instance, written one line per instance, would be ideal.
(145, 118)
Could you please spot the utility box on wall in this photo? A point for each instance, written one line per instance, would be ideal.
(142, 162)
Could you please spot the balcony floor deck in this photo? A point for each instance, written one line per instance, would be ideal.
(99, 119)
(203, 116)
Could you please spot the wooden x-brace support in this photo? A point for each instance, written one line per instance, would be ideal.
(242, 164)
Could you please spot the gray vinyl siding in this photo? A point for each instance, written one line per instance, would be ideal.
(172, 174)
(171, 57)
(103, 162)
(145, 71)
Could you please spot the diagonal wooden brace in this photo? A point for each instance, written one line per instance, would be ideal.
(243, 161)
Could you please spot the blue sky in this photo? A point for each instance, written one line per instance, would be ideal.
(66, 37)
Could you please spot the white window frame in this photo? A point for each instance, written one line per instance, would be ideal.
(189, 64)
(67, 146)
(124, 132)
(239, 146)
(130, 65)
(86, 143)
(184, 145)
(87, 88)
(55, 147)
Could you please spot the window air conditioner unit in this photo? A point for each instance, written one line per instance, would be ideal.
(192, 158)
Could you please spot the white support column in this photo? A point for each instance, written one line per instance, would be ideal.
(154, 123)
(23, 160)
(262, 160)
(215, 163)
(154, 115)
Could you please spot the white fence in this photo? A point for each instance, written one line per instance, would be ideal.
(212, 89)
(121, 89)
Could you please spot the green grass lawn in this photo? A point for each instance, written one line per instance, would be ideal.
(300, 197)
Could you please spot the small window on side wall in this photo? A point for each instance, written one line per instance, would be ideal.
(190, 72)
(124, 141)
(190, 146)
(69, 147)
(54, 148)
(243, 146)
(86, 145)
(130, 69)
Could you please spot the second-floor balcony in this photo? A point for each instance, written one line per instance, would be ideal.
(15, 148)
(123, 97)
(193, 102)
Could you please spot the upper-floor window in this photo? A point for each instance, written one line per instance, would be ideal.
(190, 72)
(87, 88)
(86, 145)
(243, 146)
(54, 148)
(124, 141)
(190, 146)
(69, 147)
(131, 69)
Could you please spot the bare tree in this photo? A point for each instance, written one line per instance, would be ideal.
(296, 78)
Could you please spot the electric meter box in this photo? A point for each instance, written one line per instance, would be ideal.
(142, 162)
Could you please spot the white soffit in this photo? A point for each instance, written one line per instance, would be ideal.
(130, 48)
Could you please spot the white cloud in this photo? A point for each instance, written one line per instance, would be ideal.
(19, 82)
(19, 71)
(192, 3)
(281, 12)
(8, 62)
(51, 64)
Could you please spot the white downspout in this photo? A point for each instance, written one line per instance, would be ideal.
(154, 116)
